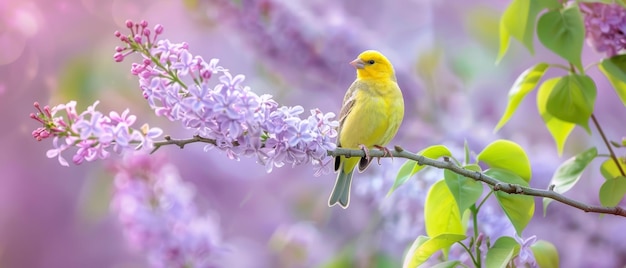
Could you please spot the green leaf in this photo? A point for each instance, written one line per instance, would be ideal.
(424, 247)
(572, 100)
(432, 152)
(525, 83)
(404, 174)
(612, 191)
(441, 213)
(518, 208)
(614, 68)
(546, 254)
(508, 155)
(501, 253)
(568, 174)
(559, 129)
(563, 32)
(465, 191)
(518, 21)
(609, 169)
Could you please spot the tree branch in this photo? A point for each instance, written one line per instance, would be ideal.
(497, 185)
(445, 164)
(181, 143)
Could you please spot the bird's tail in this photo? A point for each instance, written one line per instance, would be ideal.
(341, 191)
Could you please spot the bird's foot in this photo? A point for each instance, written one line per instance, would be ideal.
(366, 151)
(386, 152)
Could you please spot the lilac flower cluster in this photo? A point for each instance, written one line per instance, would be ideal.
(178, 86)
(91, 132)
(605, 26)
(158, 215)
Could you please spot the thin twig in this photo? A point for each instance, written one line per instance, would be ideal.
(181, 143)
(608, 145)
(449, 165)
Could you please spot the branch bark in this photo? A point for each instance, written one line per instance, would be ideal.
(441, 164)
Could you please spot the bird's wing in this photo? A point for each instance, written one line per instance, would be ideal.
(348, 103)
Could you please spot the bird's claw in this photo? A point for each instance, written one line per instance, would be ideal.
(386, 152)
(366, 151)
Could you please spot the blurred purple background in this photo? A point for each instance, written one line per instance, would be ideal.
(443, 51)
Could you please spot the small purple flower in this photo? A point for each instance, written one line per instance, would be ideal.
(526, 255)
(58, 149)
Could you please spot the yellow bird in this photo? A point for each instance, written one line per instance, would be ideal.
(372, 111)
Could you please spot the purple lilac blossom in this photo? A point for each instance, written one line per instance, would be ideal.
(526, 257)
(158, 215)
(91, 132)
(605, 27)
(179, 86)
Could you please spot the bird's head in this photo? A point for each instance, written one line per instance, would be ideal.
(371, 64)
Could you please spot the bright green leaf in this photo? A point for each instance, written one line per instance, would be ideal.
(518, 21)
(501, 253)
(465, 191)
(572, 100)
(563, 32)
(524, 84)
(609, 169)
(559, 129)
(404, 174)
(614, 68)
(441, 213)
(546, 254)
(508, 155)
(612, 191)
(432, 152)
(424, 247)
(518, 208)
(568, 174)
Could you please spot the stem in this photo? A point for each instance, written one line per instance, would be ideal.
(561, 66)
(474, 211)
(469, 252)
(484, 199)
(608, 145)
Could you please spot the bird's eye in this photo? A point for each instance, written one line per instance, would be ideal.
(371, 61)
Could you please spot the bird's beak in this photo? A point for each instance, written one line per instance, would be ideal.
(357, 63)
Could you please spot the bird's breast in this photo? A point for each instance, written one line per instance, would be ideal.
(375, 117)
